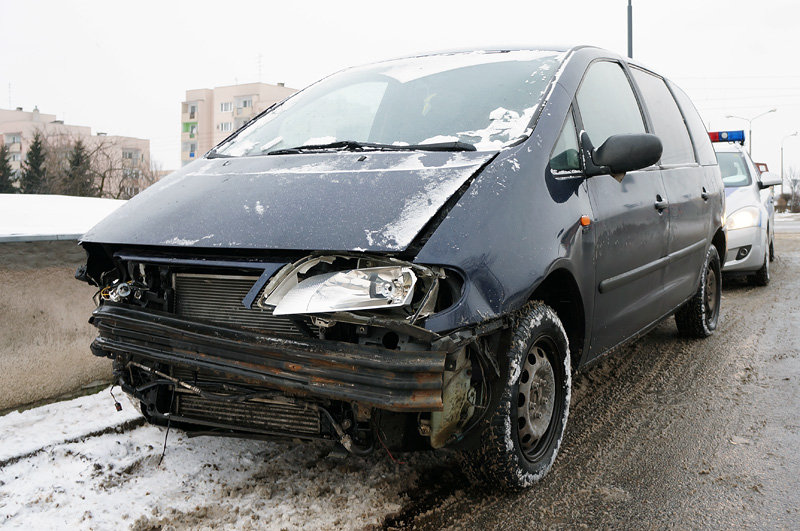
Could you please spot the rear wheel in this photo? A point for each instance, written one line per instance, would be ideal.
(699, 316)
(520, 440)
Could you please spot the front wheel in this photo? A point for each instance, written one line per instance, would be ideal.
(761, 277)
(699, 316)
(520, 441)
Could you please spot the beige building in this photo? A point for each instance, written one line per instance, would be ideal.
(122, 161)
(208, 116)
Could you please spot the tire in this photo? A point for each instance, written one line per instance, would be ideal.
(761, 277)
(699, 316)
(530, 404)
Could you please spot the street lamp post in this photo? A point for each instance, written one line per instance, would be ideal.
(782, 141)
(750, 127)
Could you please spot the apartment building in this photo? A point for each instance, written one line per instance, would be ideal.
(208, 116)
(127, 159)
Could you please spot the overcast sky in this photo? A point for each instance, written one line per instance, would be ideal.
(123, 67)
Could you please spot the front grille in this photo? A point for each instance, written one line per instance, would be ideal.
(257, 415)
(218, 299)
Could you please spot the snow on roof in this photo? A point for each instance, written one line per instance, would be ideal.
(29, 217)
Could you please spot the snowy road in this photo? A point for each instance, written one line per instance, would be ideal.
(664, 433)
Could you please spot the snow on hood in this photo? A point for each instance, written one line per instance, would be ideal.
(321, 201)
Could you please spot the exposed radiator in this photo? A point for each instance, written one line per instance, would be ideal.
(260, 415)
(218, 299)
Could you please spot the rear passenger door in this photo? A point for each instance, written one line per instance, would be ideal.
(689, 222)
(631, 232)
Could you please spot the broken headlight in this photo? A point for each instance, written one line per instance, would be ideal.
(356, 289)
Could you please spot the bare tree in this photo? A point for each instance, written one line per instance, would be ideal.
(793, 180)
(117, 169)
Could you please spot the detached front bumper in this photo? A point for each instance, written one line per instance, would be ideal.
(394, 380)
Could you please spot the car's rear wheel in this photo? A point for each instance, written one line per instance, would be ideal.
(699, 316)
(761, 277)
(520, 440)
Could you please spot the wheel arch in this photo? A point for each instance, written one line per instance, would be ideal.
(560, 291)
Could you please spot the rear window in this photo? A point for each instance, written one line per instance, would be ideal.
(734, 170)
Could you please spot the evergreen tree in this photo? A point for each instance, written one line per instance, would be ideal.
(79, 180)
(6, 173)
(34, 173)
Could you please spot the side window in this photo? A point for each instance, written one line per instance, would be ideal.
(697, 130)
(667, 118)
(565, 153)
(607, 103)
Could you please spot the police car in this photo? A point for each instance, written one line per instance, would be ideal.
(749, 209)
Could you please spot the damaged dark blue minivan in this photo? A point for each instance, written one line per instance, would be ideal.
(415, 254)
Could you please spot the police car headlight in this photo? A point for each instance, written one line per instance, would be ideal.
(356, 289)
(743, 218)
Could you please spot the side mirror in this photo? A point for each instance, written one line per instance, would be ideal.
(620, 154)
(768, 179)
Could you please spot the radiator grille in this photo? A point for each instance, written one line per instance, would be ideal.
(256, 415)
(218, 299)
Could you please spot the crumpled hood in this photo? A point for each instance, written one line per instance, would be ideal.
(326, 202)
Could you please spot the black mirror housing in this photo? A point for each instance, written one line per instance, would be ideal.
(624, 153)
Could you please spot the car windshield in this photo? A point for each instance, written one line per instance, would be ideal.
(484, 99)
(734, 169)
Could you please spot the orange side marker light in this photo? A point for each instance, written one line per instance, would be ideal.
(586, 221)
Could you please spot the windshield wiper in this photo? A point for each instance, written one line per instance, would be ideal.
(352, 145)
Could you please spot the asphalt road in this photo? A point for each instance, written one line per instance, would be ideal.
(669, 432)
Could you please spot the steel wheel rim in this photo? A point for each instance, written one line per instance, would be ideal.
(536, 399)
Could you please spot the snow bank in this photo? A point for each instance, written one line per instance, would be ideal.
(113, 480)
(26, 217)
(23, 433)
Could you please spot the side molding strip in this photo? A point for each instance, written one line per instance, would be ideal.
(612, 283)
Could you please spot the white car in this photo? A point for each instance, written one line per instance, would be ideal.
(749, 210)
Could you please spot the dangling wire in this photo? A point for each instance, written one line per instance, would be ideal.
(169, 421)
(117, 405)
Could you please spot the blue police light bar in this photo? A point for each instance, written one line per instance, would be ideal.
(727, 136)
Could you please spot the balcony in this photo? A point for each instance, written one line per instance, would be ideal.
(16, 147)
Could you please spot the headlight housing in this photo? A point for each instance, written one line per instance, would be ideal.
(743, 218)
(356, 289)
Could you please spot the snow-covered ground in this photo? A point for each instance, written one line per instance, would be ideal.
(787, 222)
(33, 216)
(82, 465)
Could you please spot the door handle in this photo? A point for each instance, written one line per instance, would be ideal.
(704, 194)
(660, 204)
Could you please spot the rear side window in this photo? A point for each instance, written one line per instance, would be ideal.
(607, 103)
(667, 119)
(702, 144)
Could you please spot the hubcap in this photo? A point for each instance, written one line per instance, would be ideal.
(536, 399)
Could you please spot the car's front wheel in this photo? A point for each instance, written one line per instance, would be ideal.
(761, 277)
(521, 438)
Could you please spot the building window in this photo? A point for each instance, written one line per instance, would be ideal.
(225, 106)
(13, 139)
(226, 127)
(16, 157)
(248, 102)
(192, 111)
